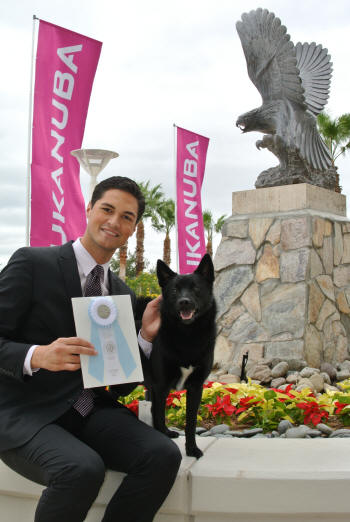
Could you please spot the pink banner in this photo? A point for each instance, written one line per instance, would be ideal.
(190, 166)
(66, 63)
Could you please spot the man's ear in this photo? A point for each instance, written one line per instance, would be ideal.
(164, 273)
(88, 209)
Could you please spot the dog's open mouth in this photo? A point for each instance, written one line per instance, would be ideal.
(187, 315)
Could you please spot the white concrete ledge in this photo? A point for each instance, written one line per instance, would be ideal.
(240, 480)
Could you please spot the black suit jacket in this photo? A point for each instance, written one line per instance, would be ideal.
(36, 288)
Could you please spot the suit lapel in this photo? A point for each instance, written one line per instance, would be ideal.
(69, 269)
(113, 284)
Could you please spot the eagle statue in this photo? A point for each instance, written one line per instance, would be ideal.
(294, 82)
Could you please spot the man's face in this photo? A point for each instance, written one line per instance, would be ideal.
(111, 221)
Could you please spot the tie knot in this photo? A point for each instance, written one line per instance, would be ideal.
(97, 271)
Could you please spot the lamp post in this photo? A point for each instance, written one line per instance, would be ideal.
(93, 162)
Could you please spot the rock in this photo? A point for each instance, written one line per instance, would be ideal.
(296, 364)
(255, 352)
(307, 372)
(276, 383)
(327, 430)
(316, 299)
(313, 433)
(342, 433)
(326, 311)
(246, 329)
(299, 432)
(257, 230)
(328, 387)
(220, 428)
(313, 346)
(283, 426)
(338, 244)
(250, 299)
(229, 285)
(235, 229)
(329, 369)
(342, 302)
(235, 369)
(280, 370)
(326, 378)
(200, 429)
(327, 255)
(274, 234)
(283, 310)
(295, 233)
(317, 382)
(346, 251)
(268, 266)
(223, 350)
(304, 383)
(318, 231)
(342, 375)
(260, 373)
(344, 365)
(284, 387)
(341, 275)
(294, 265)
(227, 378)
(326, 284)
(316, 267)
(251, 432)
(293, 378)
(234, 252)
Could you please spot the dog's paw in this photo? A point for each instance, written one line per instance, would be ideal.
(194, 451)
(172, 434)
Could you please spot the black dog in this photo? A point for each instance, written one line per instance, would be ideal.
(182, 354)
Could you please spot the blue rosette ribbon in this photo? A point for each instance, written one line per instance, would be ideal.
(108, 339)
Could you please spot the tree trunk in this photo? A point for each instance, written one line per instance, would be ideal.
(209, 248)
(123, 255)
(140, 238)
(166, 250)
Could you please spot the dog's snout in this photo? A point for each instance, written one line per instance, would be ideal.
(184, 302)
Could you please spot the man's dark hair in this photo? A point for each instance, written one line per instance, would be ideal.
(120, 183)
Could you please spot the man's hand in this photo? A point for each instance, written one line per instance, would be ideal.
(62, 354)
(151, 320)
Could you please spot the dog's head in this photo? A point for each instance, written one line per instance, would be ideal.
(187, 296)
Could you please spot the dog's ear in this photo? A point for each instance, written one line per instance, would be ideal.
(164, 273)
(206, 268)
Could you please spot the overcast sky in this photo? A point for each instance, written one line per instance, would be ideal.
(162, 62)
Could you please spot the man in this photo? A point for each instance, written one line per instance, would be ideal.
(51, 431)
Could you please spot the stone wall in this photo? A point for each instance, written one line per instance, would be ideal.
(283, 283)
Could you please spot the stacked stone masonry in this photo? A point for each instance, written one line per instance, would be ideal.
(283, 288)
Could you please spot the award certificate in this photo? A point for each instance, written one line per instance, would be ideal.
(108, 323)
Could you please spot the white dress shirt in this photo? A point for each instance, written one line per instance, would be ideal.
(86, 263)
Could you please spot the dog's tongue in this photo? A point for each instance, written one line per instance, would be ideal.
(185, 315)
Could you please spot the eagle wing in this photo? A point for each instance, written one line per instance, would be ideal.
(271, 58)
(315, 67)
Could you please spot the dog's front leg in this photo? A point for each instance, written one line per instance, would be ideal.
(194, 395)
(158, 413)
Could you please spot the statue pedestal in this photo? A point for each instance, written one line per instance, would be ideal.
(283, 277)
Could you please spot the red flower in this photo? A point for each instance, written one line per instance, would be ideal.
(285, 392)
(231, 390)
(222, 406)
(339, 407)
(134, 406)
(246, 403)
(208, 384)
(312, 412)
(173, 395)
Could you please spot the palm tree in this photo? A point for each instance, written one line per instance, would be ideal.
(209, 226)
(164, 221)
(153, 197)
(336, 135)
(123, 257)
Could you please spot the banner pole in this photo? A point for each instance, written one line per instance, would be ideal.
(175, 169)
(30, 136)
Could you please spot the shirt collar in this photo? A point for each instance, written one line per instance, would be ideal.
(85, 260)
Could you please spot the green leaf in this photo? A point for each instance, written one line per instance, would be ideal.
(270, 394)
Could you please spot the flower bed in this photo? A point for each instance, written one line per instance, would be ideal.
(253, 405)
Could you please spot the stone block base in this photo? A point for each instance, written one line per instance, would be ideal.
(283, 276)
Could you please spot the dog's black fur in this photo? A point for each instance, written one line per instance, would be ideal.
(186, 339)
